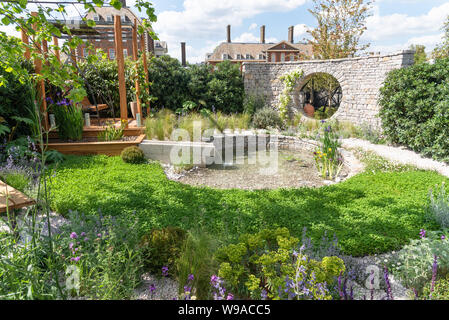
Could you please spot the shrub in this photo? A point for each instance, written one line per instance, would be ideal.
(416, 260)
(18, 180)
(162, 247)
(133, 155)
(327, 157)
(252, 103)
(414, 108)
(262, 264)
(16, 99)
(440, 290)
(267, 118)
(439, 206)
(196, 258)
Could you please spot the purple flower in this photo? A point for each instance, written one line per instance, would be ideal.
(387, 281)
(190, 277)
(264, 294)
(99, 235)
(86, 239)
(443, 237)
(230, 297)
(76, 259)
(422, 233)
(187, 289)
(70, 245)
(73, 235)
(214, 280)
(165, 271)
(152, 288)
(83, 234)
(434, 274)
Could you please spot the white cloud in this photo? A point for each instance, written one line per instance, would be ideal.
(252, 26)
(394, 26)
(249, 37)
(300, 32)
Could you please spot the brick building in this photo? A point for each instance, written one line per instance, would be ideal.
(260, 52)
(104, 39)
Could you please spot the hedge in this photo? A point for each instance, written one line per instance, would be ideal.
(415, 108)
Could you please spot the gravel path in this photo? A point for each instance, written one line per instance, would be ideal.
(398, 154)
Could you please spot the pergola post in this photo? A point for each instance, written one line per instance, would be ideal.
(41, 83)
(56, 44)
(26, 41)
(145, 68)
(135, 49)
(121, 68)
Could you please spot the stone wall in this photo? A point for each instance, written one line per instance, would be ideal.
(360, 79)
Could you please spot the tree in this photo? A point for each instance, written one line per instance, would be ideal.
(341, 23)
(420, 53)
(442, 50)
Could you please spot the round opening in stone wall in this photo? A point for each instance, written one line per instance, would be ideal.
(319, 96)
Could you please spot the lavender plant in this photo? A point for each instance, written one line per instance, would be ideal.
(438, 210)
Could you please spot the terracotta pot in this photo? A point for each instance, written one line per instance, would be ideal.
(133, 106)
(309, 110)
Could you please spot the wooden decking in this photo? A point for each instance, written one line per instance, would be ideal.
(15, 198)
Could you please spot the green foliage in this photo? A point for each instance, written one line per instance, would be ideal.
(16, 100)
(69, 120)
(438, 210)
(414, 108)
(420, 53)
(442, 50)
(327, 157)
(253, 103)
(289, 79)
(267, 118)
(196, 258)
(416, 260)
(162, 247)
(440, 290)
(112, 133)
(262, 261)
(18, 180)
(133, 155)
(226, 88)
(381, 211)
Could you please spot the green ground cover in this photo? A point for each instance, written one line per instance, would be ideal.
(372, 212)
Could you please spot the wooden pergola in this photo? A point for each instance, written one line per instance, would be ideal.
(86, 32)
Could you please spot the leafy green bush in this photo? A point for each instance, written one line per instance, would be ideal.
(133, 155)
(162, 247)
(267, 118)
(416, 260)
(414, 108)
(261, 265)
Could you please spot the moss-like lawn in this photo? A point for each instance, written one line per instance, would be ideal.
(369, 213)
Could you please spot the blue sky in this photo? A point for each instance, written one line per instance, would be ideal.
(394, 24)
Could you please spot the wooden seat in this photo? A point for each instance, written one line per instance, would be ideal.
(89, 107)
(14, 198)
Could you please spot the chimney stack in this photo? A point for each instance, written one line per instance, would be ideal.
(229, 33)
(183, 54)
(262, 34)
(291, 34)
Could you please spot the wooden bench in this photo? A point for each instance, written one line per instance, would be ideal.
(87, 106)
(16, 199)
